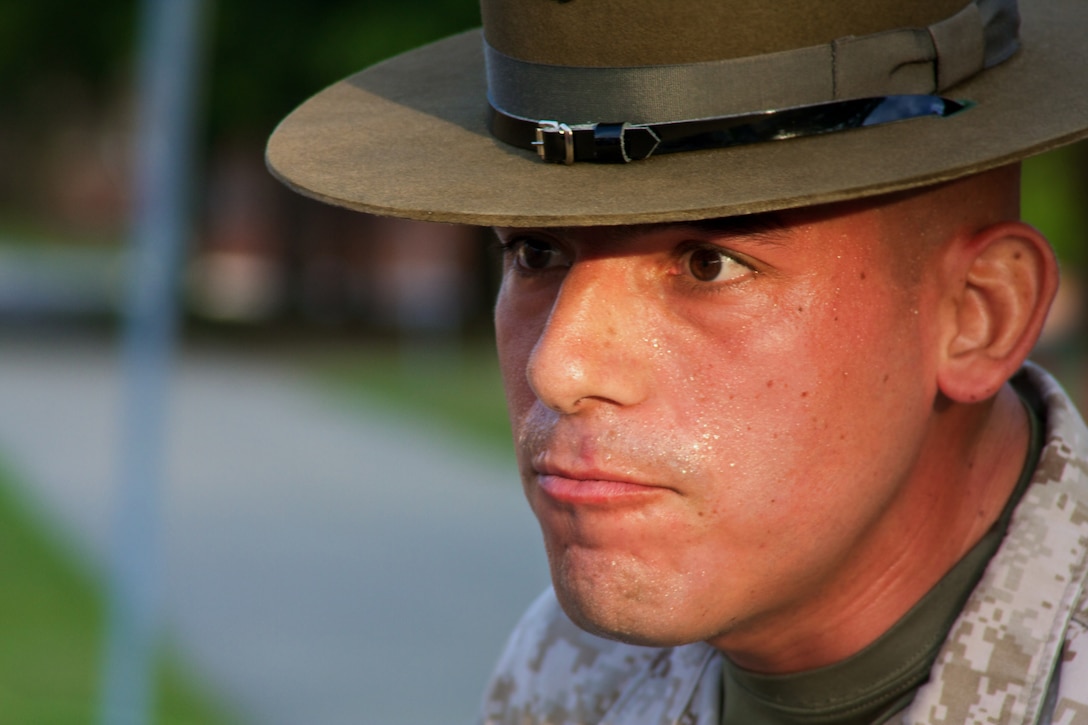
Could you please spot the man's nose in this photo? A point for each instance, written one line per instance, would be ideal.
(592, 348)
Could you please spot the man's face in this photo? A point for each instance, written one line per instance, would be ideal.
(713, 420)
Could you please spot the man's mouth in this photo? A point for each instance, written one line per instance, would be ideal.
(591, 486)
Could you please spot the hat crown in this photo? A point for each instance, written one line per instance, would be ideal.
(611, 33)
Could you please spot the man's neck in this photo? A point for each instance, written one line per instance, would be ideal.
(953, 495)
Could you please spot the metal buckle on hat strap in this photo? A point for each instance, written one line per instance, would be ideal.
(599, 142)
(548, 130)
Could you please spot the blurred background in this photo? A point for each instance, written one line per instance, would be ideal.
(339, 534)
(341, 537)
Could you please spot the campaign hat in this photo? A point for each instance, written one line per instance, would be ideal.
(446, 132)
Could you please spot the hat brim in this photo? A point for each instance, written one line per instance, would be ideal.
(409, 138)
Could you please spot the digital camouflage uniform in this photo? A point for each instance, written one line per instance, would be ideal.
(1018, 653)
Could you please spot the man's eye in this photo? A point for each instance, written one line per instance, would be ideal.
(707, 264)
(535, 254)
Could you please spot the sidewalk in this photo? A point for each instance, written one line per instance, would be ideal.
(321, 568)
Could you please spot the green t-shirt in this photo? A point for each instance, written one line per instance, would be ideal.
(881, 680)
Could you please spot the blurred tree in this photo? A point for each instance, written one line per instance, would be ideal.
(61, 61)
(1055, 199)
(264, 55)
(48, 39)
(264, 60)
(269, 56)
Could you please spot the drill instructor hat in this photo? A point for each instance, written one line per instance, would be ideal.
(585, 112)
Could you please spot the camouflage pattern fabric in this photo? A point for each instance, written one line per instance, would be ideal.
(1017, 654)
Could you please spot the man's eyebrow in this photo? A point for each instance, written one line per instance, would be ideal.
(763, 227)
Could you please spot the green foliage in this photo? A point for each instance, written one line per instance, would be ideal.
(48, 40)
(268, 57)
(1055, 200)
(262, 58)
(51, 616)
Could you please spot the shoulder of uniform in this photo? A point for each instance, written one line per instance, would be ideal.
(1065, 457)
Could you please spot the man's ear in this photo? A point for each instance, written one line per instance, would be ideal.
(999, 286)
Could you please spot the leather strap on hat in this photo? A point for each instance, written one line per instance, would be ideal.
(625, 142)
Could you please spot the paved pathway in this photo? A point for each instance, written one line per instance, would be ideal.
(321, 566)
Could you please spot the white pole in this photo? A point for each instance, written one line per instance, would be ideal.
(167, 64)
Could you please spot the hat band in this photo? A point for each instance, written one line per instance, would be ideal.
(897, 62)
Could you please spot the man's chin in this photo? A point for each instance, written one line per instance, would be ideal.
(642, 622)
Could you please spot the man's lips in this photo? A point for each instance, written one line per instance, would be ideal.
(592, 487)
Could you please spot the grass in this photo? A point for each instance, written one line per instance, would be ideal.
(51, 626)
(454, 389)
